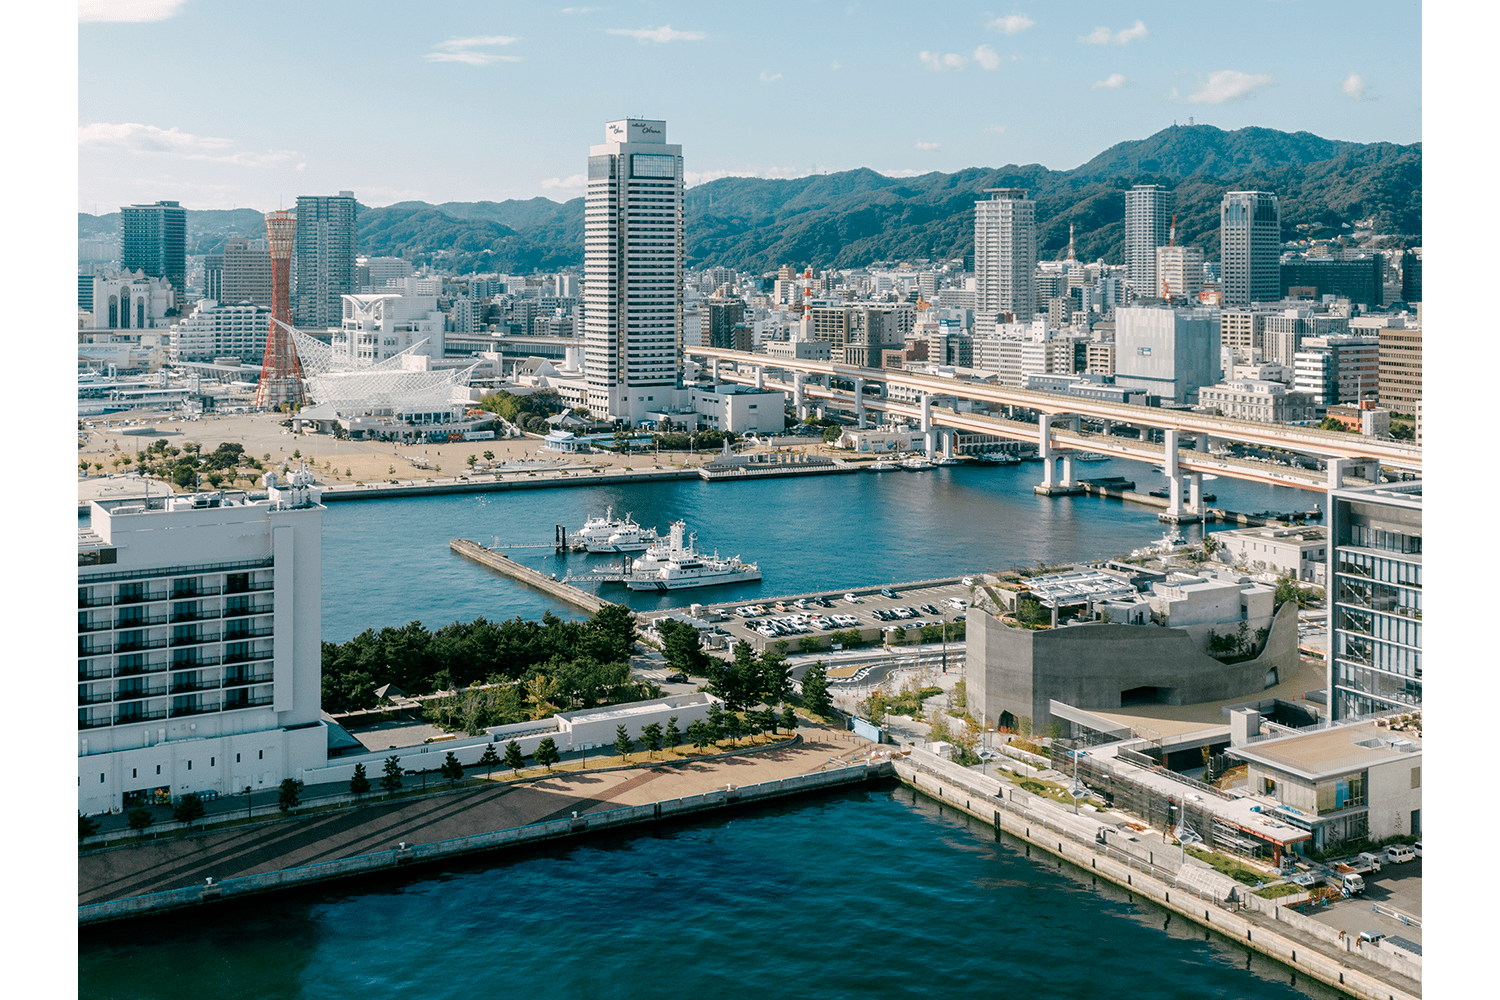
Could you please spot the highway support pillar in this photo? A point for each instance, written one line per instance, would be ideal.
(1067, 472)
(928, 439)
(1044, 448)
(760, 377)
(1173, 473)
(859, 403)
(799, 401)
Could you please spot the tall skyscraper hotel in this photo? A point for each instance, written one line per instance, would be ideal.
(633, 247)
(1004, 257)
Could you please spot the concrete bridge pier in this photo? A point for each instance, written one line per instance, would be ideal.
(1049, 485)
(948, 437)
(1067, 473)
(760, 377)
(929, 438)
(859, 403)
(1176, 512)
(713, 367)
(1195, 493)
(799, 401)
(1203, 443)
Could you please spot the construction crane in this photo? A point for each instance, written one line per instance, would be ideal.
(1166, 290)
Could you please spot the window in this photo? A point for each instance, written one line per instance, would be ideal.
(101, 777)
(158, 769)
(262, 755)
(132, 772)
(236, 758)
(210, 762)
(1416, 776)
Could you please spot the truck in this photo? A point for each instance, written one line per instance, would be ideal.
(1365, 863)
(1347, 879)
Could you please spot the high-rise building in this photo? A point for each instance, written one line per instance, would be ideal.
(1250, 248)
(1166, 352)
(323, 259)
(723, 316)
(247, 273)
(216, 330)
(198, 644)
(1148, 216)
(1005, 256)
(1375, 599)
(154, 240)
(213, 276)
(632, 263)
(1400, 368)
(1179, 273)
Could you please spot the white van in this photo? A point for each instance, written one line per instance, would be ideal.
(1399, 853)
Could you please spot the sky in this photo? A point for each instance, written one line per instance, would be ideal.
(251, 104)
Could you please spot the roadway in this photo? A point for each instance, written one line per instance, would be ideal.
(1326, 444)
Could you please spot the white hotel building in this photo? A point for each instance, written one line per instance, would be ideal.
(199, 645)
(632, 268)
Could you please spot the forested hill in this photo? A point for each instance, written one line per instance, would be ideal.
(857, 217)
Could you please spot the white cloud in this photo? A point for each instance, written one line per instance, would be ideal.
(301, 166)
(1110, 82)
(997, 129)
(987, 57)
(837, 64)
(134, 137)
(692, 178)
(470, 58)
(665, 33)
(1011, 24)
(1224, 85)
(579, 10)
(1355, 86)
(929, 145)
(903, 172)
(767, 76)
(101, 11)
(939, 63)
(576, 182)
(477, 41)
(1103, 36)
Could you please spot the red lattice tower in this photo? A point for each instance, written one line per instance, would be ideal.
(280, 371)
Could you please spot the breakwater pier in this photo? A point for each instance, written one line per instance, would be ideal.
(525, 574)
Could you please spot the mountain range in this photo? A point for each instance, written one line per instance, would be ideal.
(857, 217)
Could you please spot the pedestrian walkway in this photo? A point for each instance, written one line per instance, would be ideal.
(178, 862)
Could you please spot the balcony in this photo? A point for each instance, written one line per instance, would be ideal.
(94, 721)
(141, 597)
(94, 602)
(181, 686)
(126, 718)
(94, 698)
(94, 672)
(253, 588)
(138, 621)
(240, 679)
(253, 609)
(196, 616)
(195, 639)
(193, 663)
(131, 670)
(230, 704)
(252, 657)
(137, 693)
(130, 645)
(95, 626)
(230, 635)
(197, 709)
(188, 591)
(86, 649)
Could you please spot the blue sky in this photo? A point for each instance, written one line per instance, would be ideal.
(251, 104)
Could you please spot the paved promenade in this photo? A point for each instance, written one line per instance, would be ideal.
(178, 862)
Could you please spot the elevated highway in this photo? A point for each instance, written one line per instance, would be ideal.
(751, 368)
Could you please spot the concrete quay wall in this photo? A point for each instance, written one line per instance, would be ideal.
(525, 574)
(1018, 814)
(652, 812)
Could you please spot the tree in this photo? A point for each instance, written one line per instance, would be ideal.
(451, 769)
(513, 758)
(473, 461)
(940, 730)
(967, 742)
(489, 456)
(539, 691)
(547, 754)
(489, 759)
(291, 794)
(623, 743)
(189, 809)
(815, 690)
(698, 735)
(391, 775)
(651, 737)
(788, 718)
(673, 736)
(715, 722)
(734, 727)
(359, 784)
(87, 827)
(140, 817)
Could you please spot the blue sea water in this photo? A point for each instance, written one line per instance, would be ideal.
(387, 562)
(871, 893)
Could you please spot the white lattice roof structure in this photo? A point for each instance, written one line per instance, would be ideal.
(386, 388)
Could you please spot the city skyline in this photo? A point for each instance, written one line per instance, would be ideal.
(847, 86)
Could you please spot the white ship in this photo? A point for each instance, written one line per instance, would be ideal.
(1169, 542)
(1090, 456)
(915, 463)
(676, 564)
(883, 465)
(611, 534)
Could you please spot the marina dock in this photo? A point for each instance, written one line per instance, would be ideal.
(525, 574)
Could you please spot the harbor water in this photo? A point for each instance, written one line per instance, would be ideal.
(387, 562)
(860, 894)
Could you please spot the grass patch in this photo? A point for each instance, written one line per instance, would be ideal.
(1277, 891)
(1229, 866)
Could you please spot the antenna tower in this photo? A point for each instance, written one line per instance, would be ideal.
(280, 371)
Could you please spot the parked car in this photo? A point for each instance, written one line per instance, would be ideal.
(852, 599)
(1399, 853)
(887, 592)
(930, 609)
(1417, 847)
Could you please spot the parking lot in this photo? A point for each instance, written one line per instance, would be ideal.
(1396, 887)
(870, 610)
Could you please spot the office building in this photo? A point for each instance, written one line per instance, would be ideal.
(213, 276)
(633, 243)
(1148, 216)
(1250, 248)
(1257, 400)
(199, 658)
(1375, 599)
(1358, 279)
(154, 242)
(1179, 273)
(1166, 352)
(373, 328)
(1338, 368)
(724, 316)
(247, 273)
(1004, 257)
(323, 259)
(1401, 368)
